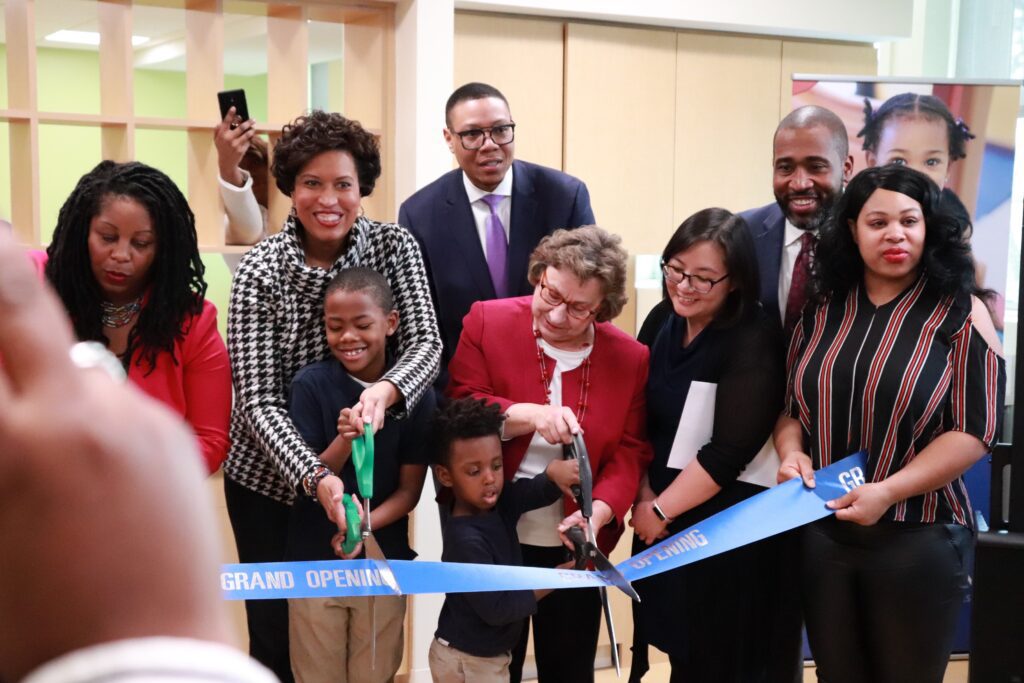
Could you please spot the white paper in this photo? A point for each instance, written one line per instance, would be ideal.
(764, 468)
(696, 425)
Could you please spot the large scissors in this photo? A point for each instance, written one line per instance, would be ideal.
(362, 460)
(586, 549)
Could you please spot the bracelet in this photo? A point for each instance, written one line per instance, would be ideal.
(313, 479)
(659, 512)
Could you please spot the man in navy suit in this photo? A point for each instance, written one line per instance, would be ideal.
(811, 164)
(478, 224)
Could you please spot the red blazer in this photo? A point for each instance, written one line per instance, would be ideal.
(497, 360)
(198, 387)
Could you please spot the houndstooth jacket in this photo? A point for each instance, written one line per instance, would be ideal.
(275, 328)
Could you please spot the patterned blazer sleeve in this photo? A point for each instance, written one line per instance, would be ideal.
(260, 395)
(419, 340)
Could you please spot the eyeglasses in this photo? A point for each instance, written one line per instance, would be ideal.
(554, 299)
(697, 283)
(474, 137)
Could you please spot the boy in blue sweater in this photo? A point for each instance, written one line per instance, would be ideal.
(330, 637)
(476, 631)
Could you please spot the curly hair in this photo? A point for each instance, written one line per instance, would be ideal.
(909, 105)
(946, 259)
(463, 418)
(587, 252)
(729, 231)
(177, 288)
(318, 132)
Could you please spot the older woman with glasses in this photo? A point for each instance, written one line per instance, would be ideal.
(718, 352)
(557, 367)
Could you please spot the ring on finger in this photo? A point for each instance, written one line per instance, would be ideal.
(93, 355)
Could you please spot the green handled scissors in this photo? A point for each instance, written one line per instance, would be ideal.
(362, 460)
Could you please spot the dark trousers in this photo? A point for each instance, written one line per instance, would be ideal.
(565, 628)
(881, 601)
(260, 526)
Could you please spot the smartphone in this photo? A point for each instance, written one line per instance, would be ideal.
(236, 99)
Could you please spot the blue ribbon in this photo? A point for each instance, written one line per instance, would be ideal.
(784, 507)
(771, 512)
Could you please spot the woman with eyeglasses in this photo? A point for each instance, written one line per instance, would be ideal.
(718, 357)
(557, 367)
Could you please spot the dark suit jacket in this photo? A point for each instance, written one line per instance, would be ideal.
(768, 228)
(440, 217)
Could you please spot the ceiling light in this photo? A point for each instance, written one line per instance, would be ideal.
(86, 38)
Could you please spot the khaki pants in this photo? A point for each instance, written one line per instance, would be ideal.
(448, 665)
(330, 639)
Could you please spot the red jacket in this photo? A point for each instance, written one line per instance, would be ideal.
(197, 387)
(497, 360)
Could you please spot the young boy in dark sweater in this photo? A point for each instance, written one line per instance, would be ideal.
(330, 637)
(476, 631)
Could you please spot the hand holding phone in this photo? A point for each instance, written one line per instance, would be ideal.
(236, 99)
(233, 135)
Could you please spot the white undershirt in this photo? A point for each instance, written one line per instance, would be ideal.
(540, 527)
(481, 211)
(790, 252)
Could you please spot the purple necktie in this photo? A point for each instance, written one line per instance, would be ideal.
(497, 247)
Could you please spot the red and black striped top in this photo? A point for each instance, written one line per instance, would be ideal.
(891, 378)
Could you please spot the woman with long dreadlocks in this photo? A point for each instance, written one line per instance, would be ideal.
(125, 262)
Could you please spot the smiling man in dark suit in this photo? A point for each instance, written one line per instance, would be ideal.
(811, 163)
(478, 224)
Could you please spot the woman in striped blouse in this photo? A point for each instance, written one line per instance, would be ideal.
(900, 359)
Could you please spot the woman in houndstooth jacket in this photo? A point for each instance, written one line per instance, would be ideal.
(326, 164)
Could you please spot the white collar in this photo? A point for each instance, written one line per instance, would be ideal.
(792, 234)
(474, 193)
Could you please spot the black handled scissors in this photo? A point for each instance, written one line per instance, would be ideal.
(586, 549)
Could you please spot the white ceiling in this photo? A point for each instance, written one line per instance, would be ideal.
(245, 35)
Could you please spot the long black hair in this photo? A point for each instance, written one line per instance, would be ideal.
(177, 287)
(946, 259)
(729, 231)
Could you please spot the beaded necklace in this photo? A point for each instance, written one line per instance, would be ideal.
(581, 404)
(115, 316)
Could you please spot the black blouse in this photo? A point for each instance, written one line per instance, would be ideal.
(746, 362)
(891, 378)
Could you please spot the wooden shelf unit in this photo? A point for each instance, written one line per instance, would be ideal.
(368, 67)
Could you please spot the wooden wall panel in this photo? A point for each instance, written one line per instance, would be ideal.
(368, 74)
(116, 78)
(523, 58)
(732, 83)
(19, 18)
(619, 126)
(204, 77)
